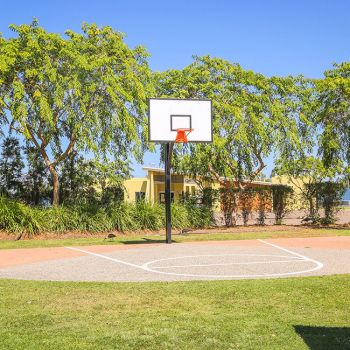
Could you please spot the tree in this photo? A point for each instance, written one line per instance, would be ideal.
(37, 186)
(327, 158)
(11, 168)
(329, 194)
(333, 117)
(254, 117)
(305, 172)
(84, 92)
(75, 178)
(91, 181)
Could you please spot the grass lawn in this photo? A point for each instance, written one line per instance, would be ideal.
(139, 239)
(295, 313)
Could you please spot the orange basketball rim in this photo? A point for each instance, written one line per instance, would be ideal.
(181, 135)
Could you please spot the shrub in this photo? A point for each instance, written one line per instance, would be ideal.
(179, 216)
(59, 219)
(199, 208)
(123, 217)
(264, 200)
(246, 200)
(229, 203)
(329, 194)
(281, 194)
(16, 217)
(149, 216)
(201, 217)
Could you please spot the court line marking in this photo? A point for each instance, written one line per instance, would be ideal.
(318, 266)
(146, 267)
(228, 264)
(104, 257)
(291, 252)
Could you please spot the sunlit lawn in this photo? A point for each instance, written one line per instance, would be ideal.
(139, 239)
(250, 314)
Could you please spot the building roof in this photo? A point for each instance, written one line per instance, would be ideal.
(152, 168)
(258, 182)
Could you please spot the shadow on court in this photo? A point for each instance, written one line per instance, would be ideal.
(146, 241)
(325, 338)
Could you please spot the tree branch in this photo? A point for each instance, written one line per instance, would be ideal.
(67, 152)
(262, 165)
(39, 147)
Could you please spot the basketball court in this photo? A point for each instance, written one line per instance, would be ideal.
(245, 259)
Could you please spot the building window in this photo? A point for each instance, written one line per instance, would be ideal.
(140, 196)
(162, 197)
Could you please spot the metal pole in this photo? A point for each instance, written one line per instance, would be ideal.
(168, 153)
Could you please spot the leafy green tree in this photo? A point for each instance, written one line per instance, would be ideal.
(333, 117)
(84, 92)
(254, 117)
(11, 168)
(91, 181)
(305, 172)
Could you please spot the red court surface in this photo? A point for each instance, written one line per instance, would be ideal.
(239, 259)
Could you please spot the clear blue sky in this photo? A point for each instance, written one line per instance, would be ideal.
(271, 37)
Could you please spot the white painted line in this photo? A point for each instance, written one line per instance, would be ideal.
(318, 263)
(105, 257)
(232, 254)
(146, 266)
(229, 264)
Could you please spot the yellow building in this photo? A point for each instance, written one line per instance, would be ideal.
(297, 185)
(151, 187)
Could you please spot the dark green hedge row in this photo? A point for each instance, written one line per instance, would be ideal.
(16, 217)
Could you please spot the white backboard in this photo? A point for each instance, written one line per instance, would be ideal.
(166, 115)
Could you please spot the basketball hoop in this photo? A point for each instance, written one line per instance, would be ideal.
(181, 135)
(170, 117)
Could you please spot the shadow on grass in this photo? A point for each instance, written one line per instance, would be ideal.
(325, 338)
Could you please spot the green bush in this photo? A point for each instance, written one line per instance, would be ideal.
(149, 216)
(20, 218)
(123, 217)
(16, 217)
(74, 218)
(199, 208)
(200, 217)
(59, 219)
(179, 217)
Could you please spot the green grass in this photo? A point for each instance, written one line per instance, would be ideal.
(251, 314)
(139, 239)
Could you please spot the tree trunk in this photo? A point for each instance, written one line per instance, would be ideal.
(56, 186)
(311, 207)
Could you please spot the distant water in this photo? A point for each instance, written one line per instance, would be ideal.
(347, 195)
